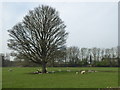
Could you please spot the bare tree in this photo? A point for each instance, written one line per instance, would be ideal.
(73, 54)
(94, 53)
(83, 53)
(98, 53)
(39, 36)
(102, 54)
(60, 56)
(89, 56)
(114, 52)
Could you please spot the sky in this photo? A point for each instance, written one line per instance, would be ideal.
(89, 24)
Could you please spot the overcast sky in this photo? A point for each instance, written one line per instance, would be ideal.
(93, 24)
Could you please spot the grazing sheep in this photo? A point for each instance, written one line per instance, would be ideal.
(38, 71)
(76, 72)
(53, 71)
(96, 71)
(108, 87)
(82, 72)
(90, 71)
(35, 72)
(68, 70)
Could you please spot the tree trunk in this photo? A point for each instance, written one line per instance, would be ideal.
(44, 68)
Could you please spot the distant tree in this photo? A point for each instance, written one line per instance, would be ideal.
(39, 36)
(102, 54)
(90, 60)
(118, 51)
(5, 58)
(59, 57)
(89, 56)
(83, 52)
(98, 53)
(94, 52)
(73, 55)
(2, 60)
(107, 53)
(114, 51)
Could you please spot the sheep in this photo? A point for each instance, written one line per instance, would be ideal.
(68, 70)
(53, 71)
(82, 72)
(38, 70)
(96, 71)
(91, 71)
(108, 87)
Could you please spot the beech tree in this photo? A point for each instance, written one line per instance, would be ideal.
(39, 36)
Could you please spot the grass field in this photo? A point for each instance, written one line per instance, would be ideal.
(21, 78)
(0, 78)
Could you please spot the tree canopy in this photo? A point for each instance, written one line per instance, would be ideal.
(40, 35)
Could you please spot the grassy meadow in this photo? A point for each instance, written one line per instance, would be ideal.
(21, 77)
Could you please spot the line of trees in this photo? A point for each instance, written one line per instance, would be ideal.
(91, 56)
(12, 60)
(71, 57)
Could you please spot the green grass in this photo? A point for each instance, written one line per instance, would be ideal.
(20, 78)
(0, 78)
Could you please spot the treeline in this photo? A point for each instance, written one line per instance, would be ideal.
(12, 60)
(71, 57)
(96, 57)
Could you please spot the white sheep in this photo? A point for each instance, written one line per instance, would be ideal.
(82, 72)
(53, 71)
(108, 87)
(90, 71)
(96, 71)
(68, 70)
